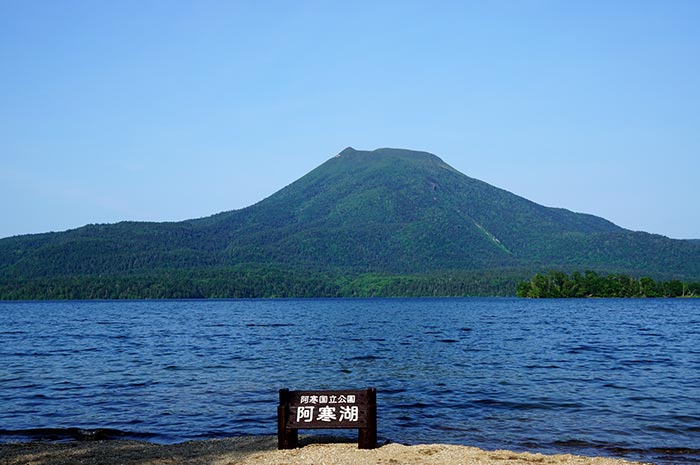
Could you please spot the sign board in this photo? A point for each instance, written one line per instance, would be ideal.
(345, 409)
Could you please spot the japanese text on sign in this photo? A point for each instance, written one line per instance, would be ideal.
(341, 399)
(328, 413)
(328, 409)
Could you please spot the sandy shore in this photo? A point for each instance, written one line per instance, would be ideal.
(259, 450)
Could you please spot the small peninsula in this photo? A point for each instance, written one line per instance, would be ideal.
(556, 284)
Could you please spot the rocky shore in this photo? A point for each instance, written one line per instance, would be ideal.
(262, 450)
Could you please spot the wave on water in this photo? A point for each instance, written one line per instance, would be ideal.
(70, 434)
(580, 377)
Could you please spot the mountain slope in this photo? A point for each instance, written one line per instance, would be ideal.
(397, 210)
(389, 211)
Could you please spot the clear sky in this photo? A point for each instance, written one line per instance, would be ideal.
(169, 110)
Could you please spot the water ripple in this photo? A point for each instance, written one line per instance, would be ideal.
(597, 377)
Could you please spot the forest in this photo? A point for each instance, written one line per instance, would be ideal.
(273, 282)
(556, 284)
(259, 282)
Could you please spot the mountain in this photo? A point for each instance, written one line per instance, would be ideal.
(389, 212)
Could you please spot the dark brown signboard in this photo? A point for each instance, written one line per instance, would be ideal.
(341, 409)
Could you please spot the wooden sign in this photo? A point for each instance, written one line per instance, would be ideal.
(348, 409)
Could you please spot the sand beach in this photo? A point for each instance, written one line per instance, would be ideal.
(262, 450)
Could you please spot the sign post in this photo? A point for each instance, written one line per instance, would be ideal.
(348, 409)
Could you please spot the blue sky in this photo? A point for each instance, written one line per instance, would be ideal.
(169, 110)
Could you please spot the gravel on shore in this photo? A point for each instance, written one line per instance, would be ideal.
(262, 450)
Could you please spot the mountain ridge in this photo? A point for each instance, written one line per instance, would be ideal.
(389, 210)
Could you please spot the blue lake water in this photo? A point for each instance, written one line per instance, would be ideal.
(593, 377)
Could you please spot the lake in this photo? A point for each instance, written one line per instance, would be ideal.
(591, 377)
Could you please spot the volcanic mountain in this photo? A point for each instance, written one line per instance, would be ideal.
(388, 212)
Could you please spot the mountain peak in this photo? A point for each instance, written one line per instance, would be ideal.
(405, 153)
(389, 152)
(346, 151)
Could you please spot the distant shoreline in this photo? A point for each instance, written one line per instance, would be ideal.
(589, 284)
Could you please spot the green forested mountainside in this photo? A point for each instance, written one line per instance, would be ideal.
(387, 212)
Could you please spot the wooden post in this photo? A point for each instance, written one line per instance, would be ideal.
(367, 437)
(286, 438)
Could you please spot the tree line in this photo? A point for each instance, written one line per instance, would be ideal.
(254, 281)
(556, 284)
(259, 282)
